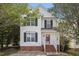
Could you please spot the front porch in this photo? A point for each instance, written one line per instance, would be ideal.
(50, 41)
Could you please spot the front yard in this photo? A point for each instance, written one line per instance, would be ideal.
(8, 51)
(73, 52)
(16, 52)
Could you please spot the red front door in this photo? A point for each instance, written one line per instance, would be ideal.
(47, 39)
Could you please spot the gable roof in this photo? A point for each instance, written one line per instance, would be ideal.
(43, 12)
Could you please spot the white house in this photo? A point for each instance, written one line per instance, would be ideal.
(40, 34)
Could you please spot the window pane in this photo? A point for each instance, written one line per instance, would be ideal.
(32, 22)
(33, 37)
(28, 23)
(48, 24)
(28, 39)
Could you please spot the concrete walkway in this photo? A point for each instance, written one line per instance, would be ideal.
(37, 54)
(24, 53)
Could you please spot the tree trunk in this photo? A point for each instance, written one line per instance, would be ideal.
(2, 42)
(77, 31)
(7, 43)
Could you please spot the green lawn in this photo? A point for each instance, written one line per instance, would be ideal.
(73, 52)
(8, 51)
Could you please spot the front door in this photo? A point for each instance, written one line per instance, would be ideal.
(47, 39)
(46, 42)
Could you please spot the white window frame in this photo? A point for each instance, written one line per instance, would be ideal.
(27, 36)
(48, 24)
(31, 33)
(31, 21)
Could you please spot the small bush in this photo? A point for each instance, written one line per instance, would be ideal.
(64, 44)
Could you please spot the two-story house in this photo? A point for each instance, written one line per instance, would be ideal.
(40, 34)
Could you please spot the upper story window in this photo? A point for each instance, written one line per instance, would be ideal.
(48, 23)
(32, 22)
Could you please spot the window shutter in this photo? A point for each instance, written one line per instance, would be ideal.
(51, 23)
(36, 36)
(24, 37)
(45, 23)
(36, 22)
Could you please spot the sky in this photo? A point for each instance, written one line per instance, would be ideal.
(45, 5)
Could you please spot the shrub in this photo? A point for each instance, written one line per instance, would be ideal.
(64, 44)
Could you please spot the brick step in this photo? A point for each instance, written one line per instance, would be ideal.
(50, 48)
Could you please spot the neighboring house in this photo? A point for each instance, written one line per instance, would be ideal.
(74, 43)
(40, 34)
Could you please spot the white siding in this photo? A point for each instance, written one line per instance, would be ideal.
(31, 28)
(54, 37)
(54, 22)
(53, 34)
(42, 23)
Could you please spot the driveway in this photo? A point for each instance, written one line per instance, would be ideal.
(37, 54)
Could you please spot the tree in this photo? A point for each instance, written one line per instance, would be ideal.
(10, 15)
(10, 22)
(69, 14)
(32, 14)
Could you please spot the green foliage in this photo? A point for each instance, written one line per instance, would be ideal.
(10, 22)
(32, 14)
(73, 52)
(9, 51)
(10, 15)
(64, 44)
(68, 13)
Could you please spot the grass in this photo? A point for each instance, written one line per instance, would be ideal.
(8, 51)
(73, 52)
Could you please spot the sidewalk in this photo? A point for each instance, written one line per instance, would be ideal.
(38, 54)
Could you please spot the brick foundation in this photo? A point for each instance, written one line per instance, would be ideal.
(49, 48)
(31, 48)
